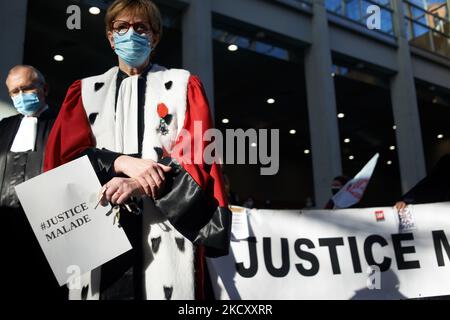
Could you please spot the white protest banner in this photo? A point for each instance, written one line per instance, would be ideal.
(60, 206)
(343, 254)
(354, 190)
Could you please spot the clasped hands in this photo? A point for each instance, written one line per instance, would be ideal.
(144, 177)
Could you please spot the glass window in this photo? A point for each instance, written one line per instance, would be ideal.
(356, 10)
(434, 110)
(334, 6)
(261, 85)
(352, 9)
(428, 25)
(366, 127)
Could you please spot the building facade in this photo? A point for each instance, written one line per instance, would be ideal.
(338, 91)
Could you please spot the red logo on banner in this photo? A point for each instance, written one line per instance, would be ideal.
(379, 215)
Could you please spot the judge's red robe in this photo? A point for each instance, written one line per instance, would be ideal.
(195, 204)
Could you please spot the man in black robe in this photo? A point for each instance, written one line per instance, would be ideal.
(26, 274)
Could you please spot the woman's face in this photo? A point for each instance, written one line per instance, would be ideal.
(139, 23)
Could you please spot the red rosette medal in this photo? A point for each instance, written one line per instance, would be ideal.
(163, 113)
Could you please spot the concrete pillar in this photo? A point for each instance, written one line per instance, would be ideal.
(198, 44)
(13, 17)
(405, 108)
(323, 121)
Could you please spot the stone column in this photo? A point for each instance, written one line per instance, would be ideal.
(321, 97)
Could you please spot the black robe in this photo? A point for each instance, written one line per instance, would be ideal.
(26, 274)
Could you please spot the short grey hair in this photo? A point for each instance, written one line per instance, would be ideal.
(38, 76)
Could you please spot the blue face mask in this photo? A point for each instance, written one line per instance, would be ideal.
(27, 103)
(132, 48)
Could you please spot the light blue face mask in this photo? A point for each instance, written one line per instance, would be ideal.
(27, 103)
(132, 48)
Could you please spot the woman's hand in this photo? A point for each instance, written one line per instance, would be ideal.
(119, 190)
(149, 174)
(400, 205)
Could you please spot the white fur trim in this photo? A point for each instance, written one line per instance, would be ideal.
(175, 99)
(101, 102)
(169, 268)
(89, 281)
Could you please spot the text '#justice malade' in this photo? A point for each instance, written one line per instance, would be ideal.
(63, 225)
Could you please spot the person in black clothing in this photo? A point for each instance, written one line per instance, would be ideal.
(433, 188)
(25, 270)
(233, 198)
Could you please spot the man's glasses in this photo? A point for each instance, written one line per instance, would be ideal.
(122, 27)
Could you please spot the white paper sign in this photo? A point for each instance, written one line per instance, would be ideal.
(407, 222)
(239, 226)
(59, 205)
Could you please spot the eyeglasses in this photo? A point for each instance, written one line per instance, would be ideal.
(121, 27)
(25, 89)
